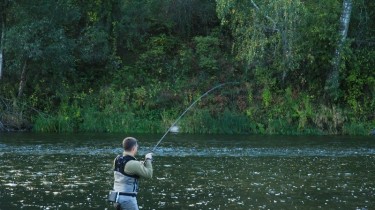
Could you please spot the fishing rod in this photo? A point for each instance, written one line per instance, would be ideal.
(191, 105)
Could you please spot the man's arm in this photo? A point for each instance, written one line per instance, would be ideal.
(139, 168)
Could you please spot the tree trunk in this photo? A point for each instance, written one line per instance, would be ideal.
(2, 45)
(332, 82)
(22, 80)
(286, 51)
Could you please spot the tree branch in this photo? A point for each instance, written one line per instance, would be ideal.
(265, 15)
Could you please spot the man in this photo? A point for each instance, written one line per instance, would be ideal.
(127, 171)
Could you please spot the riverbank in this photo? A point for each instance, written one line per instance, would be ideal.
(225, 113)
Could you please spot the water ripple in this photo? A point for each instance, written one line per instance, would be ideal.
(186, 151)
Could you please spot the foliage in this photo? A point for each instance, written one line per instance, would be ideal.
(134, 66)
(207, 51)
(267, 33)
(228, 122)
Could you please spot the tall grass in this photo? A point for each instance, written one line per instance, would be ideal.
(202, 121)
(285, 114)
(356, 129)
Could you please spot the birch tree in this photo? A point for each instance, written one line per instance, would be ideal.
(266, 33)
(333, 80)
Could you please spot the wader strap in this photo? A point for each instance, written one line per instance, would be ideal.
(128, 194)
(117, 197)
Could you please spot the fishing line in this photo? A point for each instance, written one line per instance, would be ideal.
(191, 105)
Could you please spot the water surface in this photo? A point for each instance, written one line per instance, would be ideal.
(57, 171)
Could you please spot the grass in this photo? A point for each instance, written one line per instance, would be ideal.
(199, 122)
(286, 114)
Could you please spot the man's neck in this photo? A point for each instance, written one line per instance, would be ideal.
(129, 153)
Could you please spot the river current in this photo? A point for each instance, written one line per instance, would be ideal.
(60, 171)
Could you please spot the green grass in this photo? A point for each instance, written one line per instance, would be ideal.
(110, 111)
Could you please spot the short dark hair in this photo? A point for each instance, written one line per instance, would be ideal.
(129, 143)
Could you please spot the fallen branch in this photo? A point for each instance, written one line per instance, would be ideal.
(16, 116)
(23, 104)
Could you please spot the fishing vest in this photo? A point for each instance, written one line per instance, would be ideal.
(124, 182)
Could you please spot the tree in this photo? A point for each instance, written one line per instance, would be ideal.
(266, 33)
(97, 40)
(2, 39)
(4, 4)
(37, 41)
(333, 81)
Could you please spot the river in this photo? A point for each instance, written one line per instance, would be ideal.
(73, 171)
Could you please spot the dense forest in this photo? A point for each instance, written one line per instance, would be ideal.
(302, 66)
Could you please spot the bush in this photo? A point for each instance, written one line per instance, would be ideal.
(207, 51)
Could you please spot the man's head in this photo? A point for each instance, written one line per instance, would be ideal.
(130, 145)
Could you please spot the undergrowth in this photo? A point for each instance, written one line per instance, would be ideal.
(285, 113)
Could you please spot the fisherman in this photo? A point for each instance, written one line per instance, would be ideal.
(127, 171)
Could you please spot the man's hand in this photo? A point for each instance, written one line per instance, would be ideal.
(148, 156)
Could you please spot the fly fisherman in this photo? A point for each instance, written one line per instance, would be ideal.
(127, 171)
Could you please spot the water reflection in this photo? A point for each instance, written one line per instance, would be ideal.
(206, 176)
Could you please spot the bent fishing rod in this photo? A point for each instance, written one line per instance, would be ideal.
(191, 105)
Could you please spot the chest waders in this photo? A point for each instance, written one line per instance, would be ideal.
(124, 184)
